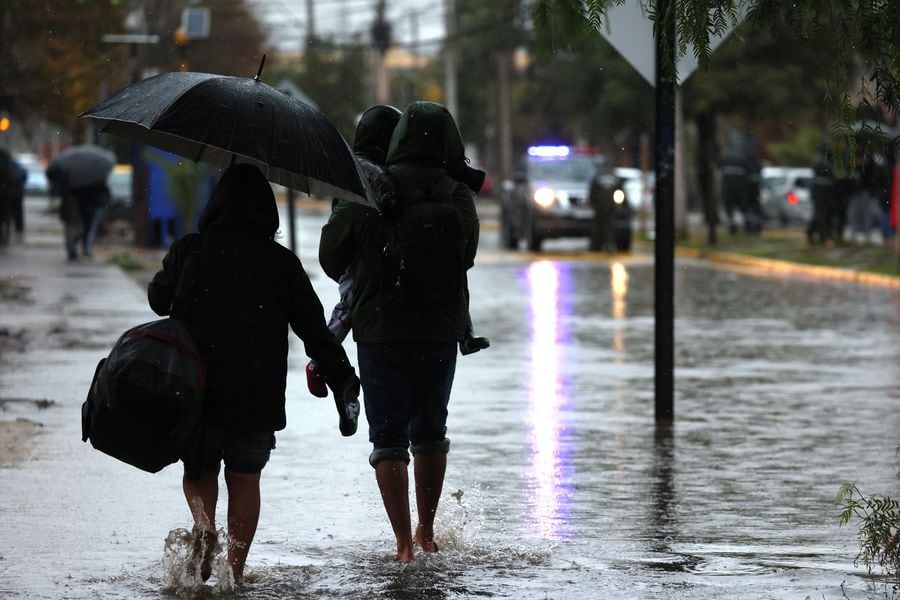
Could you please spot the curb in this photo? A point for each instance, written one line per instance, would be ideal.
(782, 267)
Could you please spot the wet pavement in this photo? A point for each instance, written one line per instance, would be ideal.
(559, 484)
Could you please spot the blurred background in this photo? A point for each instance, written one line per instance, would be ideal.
(757, 111)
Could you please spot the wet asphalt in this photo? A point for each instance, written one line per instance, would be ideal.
(560, 483)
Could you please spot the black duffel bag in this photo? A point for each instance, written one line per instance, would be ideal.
(146, 398)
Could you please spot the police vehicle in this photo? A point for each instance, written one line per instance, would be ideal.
(549, 196)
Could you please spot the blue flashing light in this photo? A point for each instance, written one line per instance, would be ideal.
(549, 151)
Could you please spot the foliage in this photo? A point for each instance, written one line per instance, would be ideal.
(330, 74)
(798, 149)
(126, 261)
(847, 37)
(184, 180)
(53, 63)
(879, 532)
(607, 103)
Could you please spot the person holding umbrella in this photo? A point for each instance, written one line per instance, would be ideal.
(250, 290)
(78, 175)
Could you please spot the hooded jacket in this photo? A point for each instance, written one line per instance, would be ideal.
(249, 292)
(354, 236)
(370, 145)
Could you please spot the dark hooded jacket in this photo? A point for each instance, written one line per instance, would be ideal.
(249, 291)
(354, 236)
(370, 145)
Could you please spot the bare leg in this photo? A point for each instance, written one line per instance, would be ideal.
(243, 516)
(201, 495)
(429, 474)
(393, 481)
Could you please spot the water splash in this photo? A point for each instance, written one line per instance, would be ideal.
(181, 568)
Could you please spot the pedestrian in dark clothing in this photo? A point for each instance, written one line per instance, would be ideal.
(17, 207)
(734, 186)
(8, 187)
(370, 145)
(407, 359)
(822, 191)
(92, 202)
(249, 292)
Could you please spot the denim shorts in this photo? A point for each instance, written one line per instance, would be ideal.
(243, 451)
(406, 389)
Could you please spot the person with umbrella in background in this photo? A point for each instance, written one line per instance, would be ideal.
(78, 175)
(250, 289)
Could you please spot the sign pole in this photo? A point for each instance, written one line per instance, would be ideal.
(664, 274)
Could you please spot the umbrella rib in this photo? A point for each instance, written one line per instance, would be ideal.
(200, 153)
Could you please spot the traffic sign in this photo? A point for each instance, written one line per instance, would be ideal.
(630, 31)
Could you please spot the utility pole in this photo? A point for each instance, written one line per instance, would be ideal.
(450, 58)
(310, 23)
(504, 121)
(381, 39)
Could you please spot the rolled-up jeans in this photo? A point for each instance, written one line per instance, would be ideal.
(406, 389)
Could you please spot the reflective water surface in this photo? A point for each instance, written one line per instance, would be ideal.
(559, 483)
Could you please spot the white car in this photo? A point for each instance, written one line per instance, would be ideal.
(638, 187)
(37, 180)
(785, 194)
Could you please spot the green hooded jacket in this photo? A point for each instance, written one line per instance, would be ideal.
(354, 237)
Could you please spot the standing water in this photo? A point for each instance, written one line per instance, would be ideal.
(559, 482)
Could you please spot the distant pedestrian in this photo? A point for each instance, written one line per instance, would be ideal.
(822, 192)
(407, 358)
(733, 170)
(7, 191)
(251, 291)
(17, 204)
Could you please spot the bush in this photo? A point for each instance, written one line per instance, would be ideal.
(879, 529)
(126, 261)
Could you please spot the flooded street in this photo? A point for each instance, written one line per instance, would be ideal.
(559, 484)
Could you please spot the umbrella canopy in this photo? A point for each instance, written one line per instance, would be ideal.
(83, 166)
(225, 120)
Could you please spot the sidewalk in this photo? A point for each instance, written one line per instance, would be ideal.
(54, 312)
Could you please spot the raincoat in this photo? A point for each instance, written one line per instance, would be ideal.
(250, 290)
(423, 143)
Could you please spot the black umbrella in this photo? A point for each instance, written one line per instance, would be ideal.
(83, 166)
(225, 120)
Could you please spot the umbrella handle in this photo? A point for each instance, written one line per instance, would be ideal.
(259, 72)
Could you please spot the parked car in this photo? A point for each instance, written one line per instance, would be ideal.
(638, 187)
(548, 197)
(37, 183)
(119, 184)
(117, 217)
(785, 194)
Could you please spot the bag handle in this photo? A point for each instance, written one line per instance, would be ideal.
(187, 280)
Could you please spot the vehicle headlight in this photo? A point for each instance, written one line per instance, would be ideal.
(544, 197)
(618, 196)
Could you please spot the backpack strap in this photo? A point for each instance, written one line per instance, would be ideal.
(187, 280)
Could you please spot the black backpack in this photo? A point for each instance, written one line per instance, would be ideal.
(423, 259)
(146, 398)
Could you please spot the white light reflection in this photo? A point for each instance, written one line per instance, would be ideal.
(550, 457)
(618, 281)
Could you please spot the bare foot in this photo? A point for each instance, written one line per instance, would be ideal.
(405, 553)
(425, 540)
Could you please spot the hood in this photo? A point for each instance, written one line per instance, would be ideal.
(242, 199)
(373, 133)
(428, 135)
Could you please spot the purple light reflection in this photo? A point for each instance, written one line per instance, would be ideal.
(550, 450)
